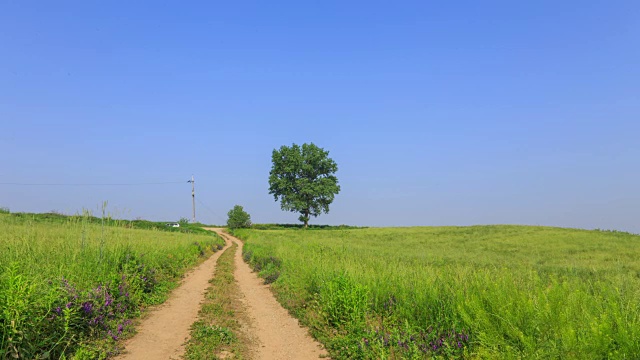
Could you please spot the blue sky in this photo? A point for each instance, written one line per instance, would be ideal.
(437, 112)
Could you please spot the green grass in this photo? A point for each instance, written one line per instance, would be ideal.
(107, 220)
(69, 287)
(218, 330)
(508, 292)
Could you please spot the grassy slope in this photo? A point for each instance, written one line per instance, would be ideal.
(474, 292)
(67, 282)
(56, 218)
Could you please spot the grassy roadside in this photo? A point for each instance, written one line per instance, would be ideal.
(71, 288)
(217, 333)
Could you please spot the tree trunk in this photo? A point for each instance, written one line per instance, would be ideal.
(306, 219)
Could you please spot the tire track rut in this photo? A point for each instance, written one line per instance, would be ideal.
(164, 331)
(279, 335)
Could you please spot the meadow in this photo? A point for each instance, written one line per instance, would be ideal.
(70, 287)
(478, 292)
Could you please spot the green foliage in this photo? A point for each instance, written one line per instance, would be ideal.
(301, 226)
(303, 179)
(344, 302)
(183, 221)
(214, 333)
(507, 292)
(268, 267)
(86, 218)
(4, 210)
(238, 218)
(70, 288)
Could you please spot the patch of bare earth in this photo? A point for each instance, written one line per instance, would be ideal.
(163, 332)
(278, 335)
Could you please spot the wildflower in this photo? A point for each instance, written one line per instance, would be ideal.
(107, 299)
(97, 320)
(87, 307)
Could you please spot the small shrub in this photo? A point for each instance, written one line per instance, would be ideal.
(270, 272)
(343, 301)
(238, 218)
(247, 255)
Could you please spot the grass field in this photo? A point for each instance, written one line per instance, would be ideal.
(494, 292)
(70, 286)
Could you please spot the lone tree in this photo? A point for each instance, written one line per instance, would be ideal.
(238, 218)
(303, 179)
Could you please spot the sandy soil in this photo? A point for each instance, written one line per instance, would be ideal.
(163, 332)
(278, 335)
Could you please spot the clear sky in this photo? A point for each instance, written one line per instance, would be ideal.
(437, 112)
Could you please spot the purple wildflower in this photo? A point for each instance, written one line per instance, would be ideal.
(87, 307)
(107, 299)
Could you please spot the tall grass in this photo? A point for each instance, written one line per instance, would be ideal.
(507, 292)
(71, 287)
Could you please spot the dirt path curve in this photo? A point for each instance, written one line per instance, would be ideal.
(163, 332)
(278, 333)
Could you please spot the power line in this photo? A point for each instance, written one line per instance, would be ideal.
(91, 184)
(218, 216)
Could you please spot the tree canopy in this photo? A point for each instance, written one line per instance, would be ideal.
(238, 218)
(303, 179)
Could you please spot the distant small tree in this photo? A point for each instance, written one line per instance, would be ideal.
(183, 221)
(303, 179)
(238, 218)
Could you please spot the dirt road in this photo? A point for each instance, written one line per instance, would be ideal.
(275, 334)
(163, 332)
(279, 335)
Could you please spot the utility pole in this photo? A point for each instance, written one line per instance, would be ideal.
(193, 196)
